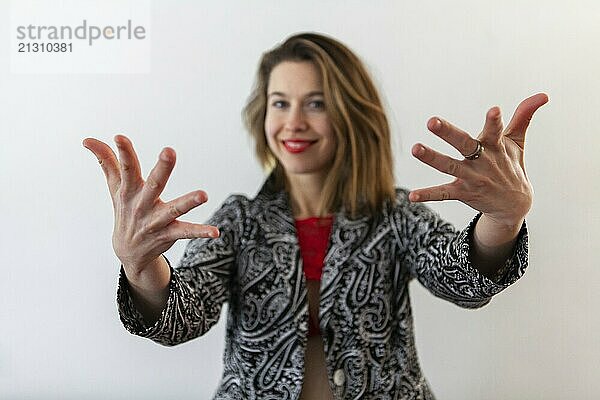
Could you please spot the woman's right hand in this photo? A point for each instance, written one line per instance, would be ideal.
(145, 227)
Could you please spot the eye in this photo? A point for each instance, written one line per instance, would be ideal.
(317, 104)
(279, 104)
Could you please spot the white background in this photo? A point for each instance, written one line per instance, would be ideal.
(60, 336)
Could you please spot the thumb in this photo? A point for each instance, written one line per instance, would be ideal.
(520, 120)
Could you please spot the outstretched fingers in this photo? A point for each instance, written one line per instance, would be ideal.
(441, 162)
(447, 191)
(519, 122)
(157, 179)
(108, 161)
(493, 127)
(185, 230)
(131, 175)
(454, 136)
(168, 212)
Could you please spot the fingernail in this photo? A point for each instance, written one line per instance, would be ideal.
(215, 233)
(164, 156)
(419, 150)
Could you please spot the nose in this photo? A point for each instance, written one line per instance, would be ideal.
(296, 120)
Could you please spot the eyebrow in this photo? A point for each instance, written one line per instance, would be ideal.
(309, 94)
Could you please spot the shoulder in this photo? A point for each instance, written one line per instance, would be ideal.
(266, 200)
(403, 205)
(236, 200)
(401, 196)
(249, 208)
(232, 210)
(417, 218)
(233, 203)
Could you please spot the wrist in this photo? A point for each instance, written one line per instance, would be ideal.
(155, 275)
(503, 222)
(489, 233)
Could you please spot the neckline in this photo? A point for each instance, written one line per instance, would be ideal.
(313, 219)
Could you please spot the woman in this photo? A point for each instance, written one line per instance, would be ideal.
(316, 267)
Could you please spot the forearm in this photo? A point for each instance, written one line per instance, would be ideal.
(492, 244)
(149, 289)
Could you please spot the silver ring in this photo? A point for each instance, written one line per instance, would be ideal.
(475, 155)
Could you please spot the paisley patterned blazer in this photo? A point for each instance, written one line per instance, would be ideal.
(364, 312)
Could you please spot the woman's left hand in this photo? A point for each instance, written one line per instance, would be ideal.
(494, 183)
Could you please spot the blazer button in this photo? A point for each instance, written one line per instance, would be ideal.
(338, 377)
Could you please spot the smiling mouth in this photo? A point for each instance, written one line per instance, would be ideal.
(297, 146)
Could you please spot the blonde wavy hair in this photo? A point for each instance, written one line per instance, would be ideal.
(361, 178)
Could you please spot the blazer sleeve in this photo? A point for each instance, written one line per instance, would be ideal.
(437, 255)
(199, 285)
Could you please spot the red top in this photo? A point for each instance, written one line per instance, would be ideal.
(313, 238)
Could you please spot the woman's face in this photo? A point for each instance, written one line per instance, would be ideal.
(297, 126)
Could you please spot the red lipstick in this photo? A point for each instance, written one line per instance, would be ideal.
(297, 146)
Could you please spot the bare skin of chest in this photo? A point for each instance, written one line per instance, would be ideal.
(316, 385)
